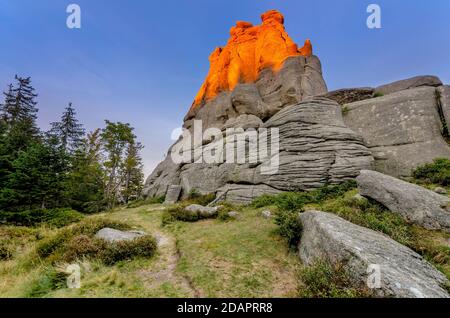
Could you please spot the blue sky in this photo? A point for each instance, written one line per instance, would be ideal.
(142, 61)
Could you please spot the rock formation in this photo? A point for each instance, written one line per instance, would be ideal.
(261, 81)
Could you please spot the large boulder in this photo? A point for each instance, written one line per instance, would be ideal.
(203, 211)
(404, 273)
(173, 194)
(403, 130)
(114, 236)
(416, 204)
(418, 81)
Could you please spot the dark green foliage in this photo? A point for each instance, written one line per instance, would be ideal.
(289, 226)
(37, 180)
(291, 204)
(85, 182)
(54, 217)
(62, 167)
(325, 280)
(437, 172)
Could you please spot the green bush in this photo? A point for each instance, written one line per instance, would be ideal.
(437, 172)
(179, 214)
(325, 280)
(289, 226)
(290, 204)
(54, 217)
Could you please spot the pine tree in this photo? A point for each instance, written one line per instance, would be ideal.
(37, 180)
(69, 131)
(19, 113)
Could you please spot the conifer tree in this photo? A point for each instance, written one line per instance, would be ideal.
(69, 131)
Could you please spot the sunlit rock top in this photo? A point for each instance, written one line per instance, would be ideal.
(249, 50)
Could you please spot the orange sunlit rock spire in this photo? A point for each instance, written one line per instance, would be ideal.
(249, 50)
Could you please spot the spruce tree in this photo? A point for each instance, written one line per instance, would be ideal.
(19, 112)
(69, 131)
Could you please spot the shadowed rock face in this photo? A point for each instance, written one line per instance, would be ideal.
(316, 148)
(404, 273)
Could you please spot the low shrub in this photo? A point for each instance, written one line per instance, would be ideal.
(195, 197)
(54, 217)
(437, 172)
(325, 280)
(179, 214)
(297, 200)
(77, 242)
(55, 245)
(144, 246)
(290, 204)
(289, 226)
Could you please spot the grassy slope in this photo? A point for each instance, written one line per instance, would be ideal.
(213, 258)
(210, 258)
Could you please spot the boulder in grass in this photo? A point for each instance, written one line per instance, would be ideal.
(203, 211)
(401, 272)
(416, 204)
(114, 236)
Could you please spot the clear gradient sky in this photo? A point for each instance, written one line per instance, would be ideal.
(142, 61)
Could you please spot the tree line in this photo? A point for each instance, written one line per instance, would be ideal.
(64, 166)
